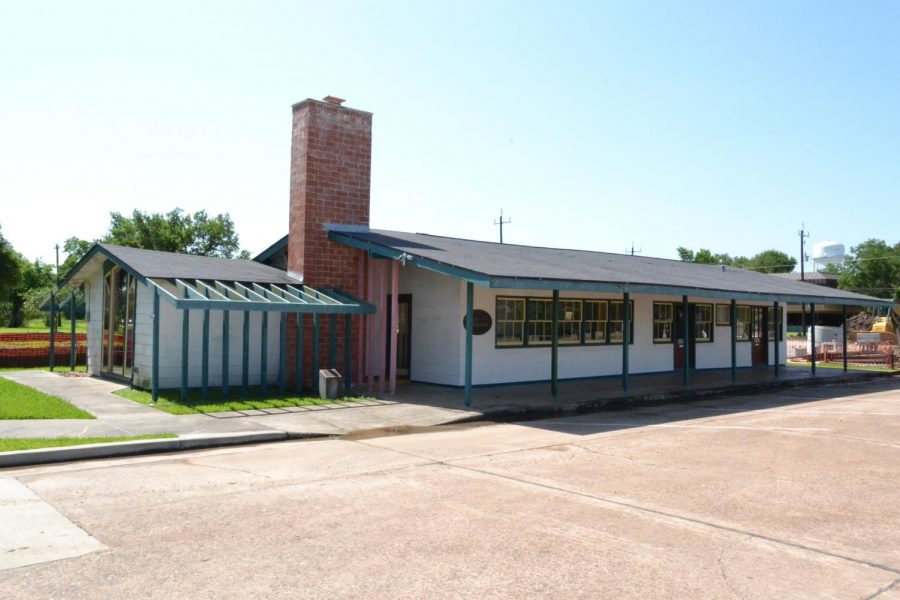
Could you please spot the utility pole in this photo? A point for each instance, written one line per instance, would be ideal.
(632, 250)
(58, 314)
(803, 235)
(501, 222)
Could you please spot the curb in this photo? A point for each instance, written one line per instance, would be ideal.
(508, 415)
(22, 458)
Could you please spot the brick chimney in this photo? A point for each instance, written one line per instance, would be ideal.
(331, 163)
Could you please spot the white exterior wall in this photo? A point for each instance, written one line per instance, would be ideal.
(94, 306)
(436, 325)
(438, 339)
(170, 338)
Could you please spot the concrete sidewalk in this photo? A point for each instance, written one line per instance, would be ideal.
(414, 405)
(117, 416)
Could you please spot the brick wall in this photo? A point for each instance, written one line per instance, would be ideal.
(331, 159)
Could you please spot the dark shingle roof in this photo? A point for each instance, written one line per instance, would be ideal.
(511, 262)
(171, 265)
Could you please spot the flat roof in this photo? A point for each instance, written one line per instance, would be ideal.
(513, 266)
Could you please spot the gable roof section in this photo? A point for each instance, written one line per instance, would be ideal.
(150, 264)
(528, 267)
(272, 250)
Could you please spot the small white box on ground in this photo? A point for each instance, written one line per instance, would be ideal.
(330, 382)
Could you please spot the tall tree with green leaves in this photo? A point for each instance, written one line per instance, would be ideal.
(174, 231)
(10, 269)
(767, 261)
(771, 261)
(872, 268)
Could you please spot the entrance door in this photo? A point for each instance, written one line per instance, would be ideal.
(119, 295)
(404, 309)
(679, 344)
(759, 339)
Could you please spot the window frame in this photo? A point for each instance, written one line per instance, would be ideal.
(498, 323)
(582, 325)
(723, 322)
(670, 321)
(749, 311)
(711, 338)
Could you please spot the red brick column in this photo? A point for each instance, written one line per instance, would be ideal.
(331, 161)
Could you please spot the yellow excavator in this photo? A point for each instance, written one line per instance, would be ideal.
(888, 324)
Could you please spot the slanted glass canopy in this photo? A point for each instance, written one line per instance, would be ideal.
(217, 295)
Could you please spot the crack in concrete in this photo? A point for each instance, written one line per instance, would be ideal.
(680, 468)
(658, 512)
(721, 562)
(882, 590)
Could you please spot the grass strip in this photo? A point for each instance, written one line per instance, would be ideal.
(19, 401)
(840, 365)
(13, 444)
(170, 400)
(58, 369)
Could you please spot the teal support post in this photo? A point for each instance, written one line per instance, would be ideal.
(470, 301)
(844, 335)
(299, 373)
(225, 378)
(776, 327)
(53, 332)
(626, 338)
(554, 346)
(332, 345)
(245, 357)
(154, 375)
(263, 356)
(733, 341)
(812, 334)
(315, 358)
(185, 335)
(282, 354)
(348, 342)
(204, 358)
(72, 356)
(185, 343)
(685, 332)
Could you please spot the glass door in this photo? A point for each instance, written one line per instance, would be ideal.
(119, 296)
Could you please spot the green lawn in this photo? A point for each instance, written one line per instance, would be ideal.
(11, 444)
(38, 326)
(19, 401)
(65, 367)
(170, 400)
(840, 365)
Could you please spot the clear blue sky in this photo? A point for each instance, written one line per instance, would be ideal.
(721, 125)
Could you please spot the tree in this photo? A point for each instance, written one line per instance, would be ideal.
(872, 268)
(74, 248)
(174, 231)
(768, 261)
(772, 261)
(704, 256)
(10, 269)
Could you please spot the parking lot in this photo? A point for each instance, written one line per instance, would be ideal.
(788, 494)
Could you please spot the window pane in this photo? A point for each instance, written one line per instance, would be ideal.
(510, 321)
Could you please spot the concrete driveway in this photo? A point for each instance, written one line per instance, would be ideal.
(783, 495)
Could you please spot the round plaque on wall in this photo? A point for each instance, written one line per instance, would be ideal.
(482, 321)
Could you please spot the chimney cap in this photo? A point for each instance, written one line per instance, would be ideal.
(334, 100)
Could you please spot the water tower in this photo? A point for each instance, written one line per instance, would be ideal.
(827, 253)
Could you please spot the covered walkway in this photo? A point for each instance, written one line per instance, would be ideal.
(588, 394)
